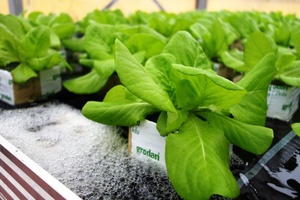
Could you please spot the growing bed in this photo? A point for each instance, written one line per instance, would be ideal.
(89, 158)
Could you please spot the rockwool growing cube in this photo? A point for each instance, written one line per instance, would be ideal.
(47, 83)
(146, 143)
(282, 102)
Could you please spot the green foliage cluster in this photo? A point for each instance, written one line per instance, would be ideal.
(30, 45)
(165, 65)
(237, 39)
(200, 112)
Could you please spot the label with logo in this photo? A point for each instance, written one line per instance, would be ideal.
(146, 142)
(282, 102)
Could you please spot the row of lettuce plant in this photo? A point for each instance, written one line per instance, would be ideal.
(198, 111)
(216, 31)
(165, 65)
(220, 33)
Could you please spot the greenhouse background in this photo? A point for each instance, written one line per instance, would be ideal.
(150, 99)
(78, 8)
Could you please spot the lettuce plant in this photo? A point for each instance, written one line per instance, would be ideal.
(194, 112)
(25, 53)
(165, 23)
(99, 42)
(243, 23)
(112, 17)
(61, 26)
(258, 45)
(215, 35)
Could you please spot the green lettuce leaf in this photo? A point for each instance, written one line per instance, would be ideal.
(74, 44)
(104, 68)
(13, 24)
(257, 46)
(199, 32)
(234, 59)
(190, 52)
(295, 38)
(169, 122)
(197, 159)
(151, 44)
(98, 39)
(284, 61)
(204, 89)
(252, 138)
(282, 33)
(39, 63)
(136, 79)
(119, 107)
(87, 84)
(253, 107)
(23, 73)
(217, 43)
(243, 23)
(9, 45)
(63, 26)
(291, 75)
(159, 68)
(57, 59)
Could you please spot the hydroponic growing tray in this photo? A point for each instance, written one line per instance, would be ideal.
(101, 167)
(90, 159)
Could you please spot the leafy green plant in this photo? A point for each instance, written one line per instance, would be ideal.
(24, 53)
(61, 26)
(287, 65)
(99, 43)
(244, 23)
(112, 17)
(215, 35)
(195, 108)
(171, 23)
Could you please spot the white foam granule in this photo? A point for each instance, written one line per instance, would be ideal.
(89, 158)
